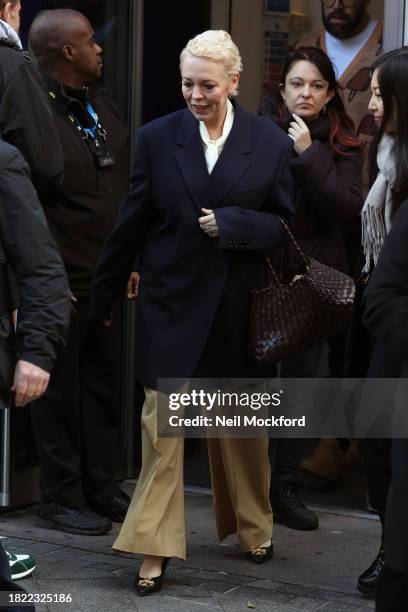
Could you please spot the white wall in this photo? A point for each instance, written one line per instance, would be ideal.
(247, 32)
(406, 24)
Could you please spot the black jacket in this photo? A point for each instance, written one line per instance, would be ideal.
(386, 316)
(11, 59)
(81, 212)
(328, 199)
(194, 291)
(28, 251)
(386, 296)
(26, 120)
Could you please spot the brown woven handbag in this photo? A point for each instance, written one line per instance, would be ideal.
(286, 318)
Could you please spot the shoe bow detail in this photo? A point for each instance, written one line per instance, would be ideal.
(259, 551)
(145, 582)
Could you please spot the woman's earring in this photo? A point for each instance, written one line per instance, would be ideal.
(324, 109)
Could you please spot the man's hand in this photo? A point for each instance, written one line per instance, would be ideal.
(132, 292)
(73, 302)
(30, 382)
(133, 286)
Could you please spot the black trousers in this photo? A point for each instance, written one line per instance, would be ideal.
(8, 586)
(289, 452)
(376, 452)
(392, 591)
(376, 462)
(76, 421)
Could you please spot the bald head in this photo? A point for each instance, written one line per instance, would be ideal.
(63, 42)
(51, 30)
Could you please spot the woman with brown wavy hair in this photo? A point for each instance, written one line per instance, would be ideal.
(327, 167)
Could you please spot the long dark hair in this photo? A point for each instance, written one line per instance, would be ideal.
(341, 126)
(393, 83)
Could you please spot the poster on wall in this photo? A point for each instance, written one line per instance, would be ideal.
(276, 39)
(276, 46)
(277, 6)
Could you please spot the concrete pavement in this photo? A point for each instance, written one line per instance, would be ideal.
(310, 570)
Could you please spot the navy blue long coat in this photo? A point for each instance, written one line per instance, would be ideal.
(193, 304)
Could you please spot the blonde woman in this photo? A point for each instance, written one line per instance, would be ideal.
(208, 184)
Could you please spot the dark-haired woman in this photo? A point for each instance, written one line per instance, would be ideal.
(327, 167)
(389, 177)
(386, 316)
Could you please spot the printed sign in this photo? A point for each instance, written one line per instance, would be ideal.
(276, 47)
(277, 6)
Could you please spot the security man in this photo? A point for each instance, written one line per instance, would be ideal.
(75, 422)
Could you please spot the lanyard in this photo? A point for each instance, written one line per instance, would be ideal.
(92, 132)
(91, 135)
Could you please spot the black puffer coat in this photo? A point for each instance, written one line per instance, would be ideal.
(28, 251)
(26, 119)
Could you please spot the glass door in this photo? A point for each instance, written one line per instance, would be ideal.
(394, 22)
(115, 27)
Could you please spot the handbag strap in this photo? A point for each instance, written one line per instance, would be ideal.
(292, 239)
(270, 271)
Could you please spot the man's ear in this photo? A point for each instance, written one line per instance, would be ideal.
(5, 12)
(68, 53)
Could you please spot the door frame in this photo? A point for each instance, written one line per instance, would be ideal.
(395, 13)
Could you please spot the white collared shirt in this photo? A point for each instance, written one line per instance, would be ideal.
(213, 148)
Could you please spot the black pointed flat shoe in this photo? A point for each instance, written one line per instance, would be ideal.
(148, 586)
(260, 554)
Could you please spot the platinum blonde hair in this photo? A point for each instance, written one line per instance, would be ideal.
(218, 46)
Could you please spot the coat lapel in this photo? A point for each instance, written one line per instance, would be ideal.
(191, 160)
(206, 191)
(235, 156)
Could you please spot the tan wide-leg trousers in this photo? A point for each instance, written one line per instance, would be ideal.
(240, 475)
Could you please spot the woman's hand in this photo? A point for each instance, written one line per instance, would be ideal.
(208, 223)
(299, 132)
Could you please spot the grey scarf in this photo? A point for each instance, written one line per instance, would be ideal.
(376, 213)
